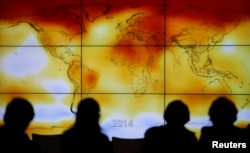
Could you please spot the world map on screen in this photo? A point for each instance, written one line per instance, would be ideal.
(133, 57)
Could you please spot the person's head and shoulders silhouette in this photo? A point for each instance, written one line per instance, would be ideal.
(87, 116)
(223, 114)
(176, 116)
(172, 135)
(18, 115)
(86, 134)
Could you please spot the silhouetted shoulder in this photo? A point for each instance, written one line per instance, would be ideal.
(227, 133)
(173, 136)
(11, 142)
(154, 131)
(19, 113)
(85, 135)
(162, 131)
(73, 141)
(169, 138)
(208, 130)
(218, 140)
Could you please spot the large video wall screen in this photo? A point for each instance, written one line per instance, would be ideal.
(133, 57)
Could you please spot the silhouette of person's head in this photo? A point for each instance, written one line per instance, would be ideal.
(177, 113)
(19, 113)
(87, 112)
(223, 112)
